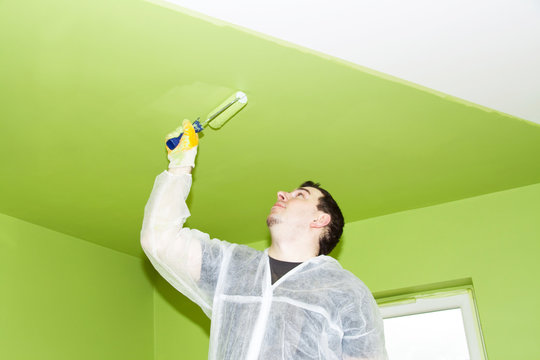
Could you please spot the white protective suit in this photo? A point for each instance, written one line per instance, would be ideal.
(318, 310)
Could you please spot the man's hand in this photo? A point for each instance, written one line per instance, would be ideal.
(183, 155)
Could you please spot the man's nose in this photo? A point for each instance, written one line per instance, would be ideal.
(282, 195)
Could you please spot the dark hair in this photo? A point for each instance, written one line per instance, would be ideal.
(334, 229)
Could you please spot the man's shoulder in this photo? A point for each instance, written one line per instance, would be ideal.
(245, 254)
(340, 279)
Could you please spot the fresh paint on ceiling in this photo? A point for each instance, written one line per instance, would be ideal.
(89, 90)
(484, 51)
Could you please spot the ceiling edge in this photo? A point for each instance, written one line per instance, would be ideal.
(222, 23)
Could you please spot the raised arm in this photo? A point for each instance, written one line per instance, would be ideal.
(163, 237)
(175, 251)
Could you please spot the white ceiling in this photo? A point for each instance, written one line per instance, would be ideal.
(483, 51)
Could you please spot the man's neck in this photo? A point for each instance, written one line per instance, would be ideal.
(292, 247)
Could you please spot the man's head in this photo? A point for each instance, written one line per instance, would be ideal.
(309, 206)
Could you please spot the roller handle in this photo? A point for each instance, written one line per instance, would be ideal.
(172, 143)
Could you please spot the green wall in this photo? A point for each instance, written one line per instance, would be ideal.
(493, 239)
(181, 328)
(65, 298)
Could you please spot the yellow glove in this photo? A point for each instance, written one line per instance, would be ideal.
(184, 154)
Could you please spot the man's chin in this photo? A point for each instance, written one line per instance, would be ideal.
(272, 220)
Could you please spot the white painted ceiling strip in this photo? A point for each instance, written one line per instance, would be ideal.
(485, 52)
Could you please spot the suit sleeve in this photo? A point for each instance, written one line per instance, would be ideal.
(187, 258)
(363, 329)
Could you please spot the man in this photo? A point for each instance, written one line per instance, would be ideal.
(290, 301)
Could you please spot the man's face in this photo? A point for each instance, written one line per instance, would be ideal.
(297, 208)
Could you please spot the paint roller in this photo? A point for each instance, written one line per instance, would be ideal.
(217, 117)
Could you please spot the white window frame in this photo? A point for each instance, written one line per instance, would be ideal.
(444, 300)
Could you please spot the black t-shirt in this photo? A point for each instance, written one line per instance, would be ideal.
(279, 268)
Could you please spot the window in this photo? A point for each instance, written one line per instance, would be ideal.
(437, 325)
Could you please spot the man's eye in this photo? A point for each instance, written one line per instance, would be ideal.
(300, 194)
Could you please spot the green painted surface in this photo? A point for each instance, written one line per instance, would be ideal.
(490, 239)
(63, 298)
(182, 330)
(89, 89)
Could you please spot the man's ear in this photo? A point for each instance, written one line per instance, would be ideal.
(321, 221)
